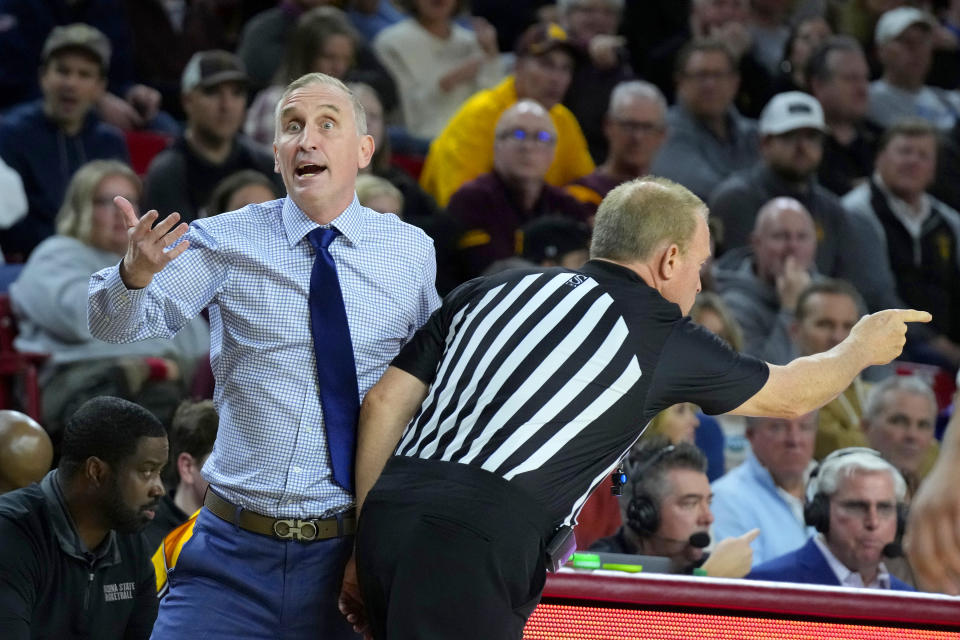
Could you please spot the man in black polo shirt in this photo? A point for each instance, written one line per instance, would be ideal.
(521, 394)
(71, 562)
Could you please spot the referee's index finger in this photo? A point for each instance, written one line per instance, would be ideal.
(913, 315)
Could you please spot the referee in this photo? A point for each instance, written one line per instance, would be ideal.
(520, 395)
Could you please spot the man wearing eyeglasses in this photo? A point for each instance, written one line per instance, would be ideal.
(854, 505)
(493, 207)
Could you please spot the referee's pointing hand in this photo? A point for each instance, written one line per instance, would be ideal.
(880, 336)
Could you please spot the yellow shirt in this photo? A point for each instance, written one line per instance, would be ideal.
(464, 149)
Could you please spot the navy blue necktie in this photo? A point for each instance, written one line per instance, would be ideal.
(336, 369)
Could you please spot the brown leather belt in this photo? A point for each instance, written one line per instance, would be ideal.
(309, 530)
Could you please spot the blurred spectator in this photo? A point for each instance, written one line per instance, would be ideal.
(761, 285)
(25, 451)
(510, 17)
(647, 25)
(13, 199)
(24, 29)
(806, 36)
(165, 35)
(492, 208)
(379, 194)
(707, 139)
(72, 562)
(711, 312)
(370, 17)
(904, 40)
(464, 150)
(238, 190)
(826, 312)
(322, 40)
(838, 77)
(50, 300)
(436, 63)
(665, 509)
(946, 187)
(635, 126)
(899, 420)
(792, 127)
(725, 22)
(766, 492)
(549, 241)
(268, 35)
(182, 177)
(769, 32)
(46, 141)
(677, 423)
(855, 504)
(917, 233)
(603, 64)
(192, 434)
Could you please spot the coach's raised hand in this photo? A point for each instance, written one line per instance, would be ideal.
(147, 252)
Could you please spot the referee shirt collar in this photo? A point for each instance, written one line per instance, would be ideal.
(612, 269)
(297, 224)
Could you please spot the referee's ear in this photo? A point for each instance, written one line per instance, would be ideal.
(668, 261)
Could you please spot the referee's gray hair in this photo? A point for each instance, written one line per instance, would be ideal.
(877, 401)
(639, 216)
(628, 89)
(566, 5)
(834, 470)
(306, 80)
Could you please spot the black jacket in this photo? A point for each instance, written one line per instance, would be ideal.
(52, 587)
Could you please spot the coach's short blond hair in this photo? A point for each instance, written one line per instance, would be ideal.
(639, 216)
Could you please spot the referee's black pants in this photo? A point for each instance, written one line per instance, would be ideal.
(449, 551)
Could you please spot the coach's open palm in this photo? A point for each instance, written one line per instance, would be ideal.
(147, 247)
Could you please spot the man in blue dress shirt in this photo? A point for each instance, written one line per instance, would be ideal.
(267, 553)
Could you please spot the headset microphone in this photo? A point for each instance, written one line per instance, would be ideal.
(892, 550)
(700, 540)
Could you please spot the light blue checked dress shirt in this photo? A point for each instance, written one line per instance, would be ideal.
(252, 268)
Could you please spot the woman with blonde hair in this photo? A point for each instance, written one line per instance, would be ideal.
(50, 300)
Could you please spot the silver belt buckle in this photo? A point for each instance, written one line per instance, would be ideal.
(300, 530)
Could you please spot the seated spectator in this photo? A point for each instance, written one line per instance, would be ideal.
(26, 28)
(769, 30)
(665, 508)
(766, 492)
(13, 199)
(721, 21)
(825, 313)
(436, 63)
(267, 35)
(549, 241)
(946, 187)
(838, 76)
(761, 284)
(192, 434)
(711, 312)
(379, 194)
(677, 423)
(238, 190)
(46, 141)
(904, 41)
(492, 208)
(603, 63)
(50, 300)
(792, 127)
(322, 41)
(856, 506)
(899, 421)
(72, 562)
(25, 451)
(182, 177)
(370, 17)
(178, 30)
(707, 138)
(917, 233)
(635, 126)
(464, 150)
(806, 36)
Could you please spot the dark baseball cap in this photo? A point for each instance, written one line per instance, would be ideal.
(210, 68)
(78, 36)
(542, 38)
(552, 237)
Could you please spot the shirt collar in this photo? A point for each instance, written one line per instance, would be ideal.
(350, 222)
(910, 218)
(66, 530)
(845, 576)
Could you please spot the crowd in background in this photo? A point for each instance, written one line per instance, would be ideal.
(823, 134)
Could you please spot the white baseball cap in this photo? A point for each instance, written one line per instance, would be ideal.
(894, 22)
(790, 111)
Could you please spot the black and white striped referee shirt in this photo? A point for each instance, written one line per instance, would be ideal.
(547, 377)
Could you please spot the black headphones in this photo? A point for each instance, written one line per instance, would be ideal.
(816, 511)
(643, 515)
